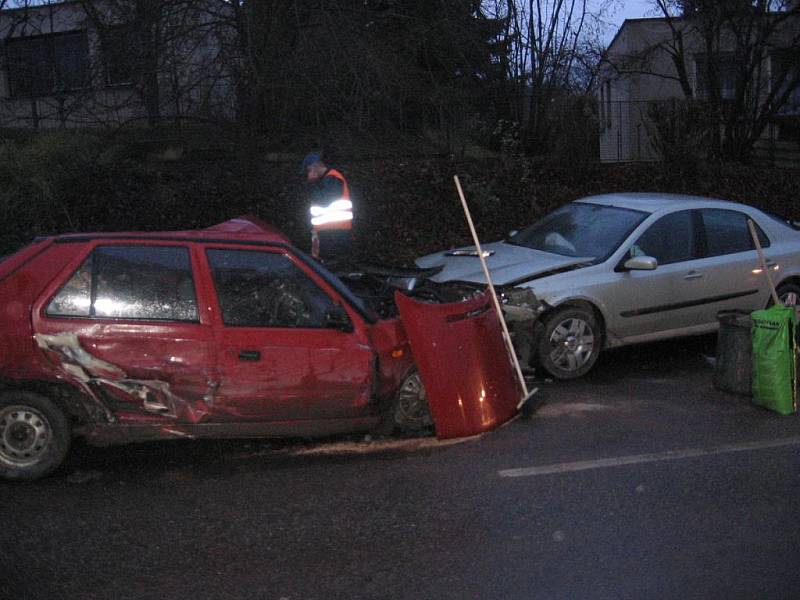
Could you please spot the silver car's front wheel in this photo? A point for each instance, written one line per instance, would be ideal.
(570, 343)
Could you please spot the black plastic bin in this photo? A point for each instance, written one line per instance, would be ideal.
(734, 366)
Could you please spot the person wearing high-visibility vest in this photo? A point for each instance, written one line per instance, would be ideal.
(331, 210)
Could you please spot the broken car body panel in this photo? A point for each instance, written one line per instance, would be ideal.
(161, 388)
(468, 375)
(504, 260)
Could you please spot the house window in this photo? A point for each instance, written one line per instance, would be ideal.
(608, 104)
(45, 64)
(725, 67)
(785, 73)
(120, 47)
(602, 107)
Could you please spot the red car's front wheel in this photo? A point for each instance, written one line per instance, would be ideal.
(410, 413)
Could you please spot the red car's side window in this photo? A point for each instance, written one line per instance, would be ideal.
(130, 282)
(74, 299)
(266, 289)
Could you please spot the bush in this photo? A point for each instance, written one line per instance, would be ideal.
(53, 183)
(679, 132)
(40, 179)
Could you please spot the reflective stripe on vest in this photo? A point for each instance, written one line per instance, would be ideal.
(336, 215)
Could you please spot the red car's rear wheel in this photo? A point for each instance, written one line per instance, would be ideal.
(34, 435)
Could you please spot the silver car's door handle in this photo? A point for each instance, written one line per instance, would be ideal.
(693, 275)
(771, 264)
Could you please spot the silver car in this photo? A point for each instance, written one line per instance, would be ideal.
(620, 269)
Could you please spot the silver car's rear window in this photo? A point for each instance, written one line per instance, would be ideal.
(786, 222)
(580, 229)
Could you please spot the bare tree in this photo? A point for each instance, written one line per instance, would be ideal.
(136, 58)
(355, 64)
(306, 66)
(161, 47)
(553, 52)
(40, 89)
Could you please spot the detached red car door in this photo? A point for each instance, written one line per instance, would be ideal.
(278, 359)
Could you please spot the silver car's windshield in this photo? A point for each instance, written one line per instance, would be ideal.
(579, 229)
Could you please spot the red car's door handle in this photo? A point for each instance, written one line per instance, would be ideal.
(251, 355)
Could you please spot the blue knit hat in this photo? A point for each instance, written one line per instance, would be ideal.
(309, 160)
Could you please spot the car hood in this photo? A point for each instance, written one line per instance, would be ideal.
(507, 263)
(463, 363)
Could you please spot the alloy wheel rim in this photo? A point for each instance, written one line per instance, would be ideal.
(572, 344)
(789, 299)
(25, 435)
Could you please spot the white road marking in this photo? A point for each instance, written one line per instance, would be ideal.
(572, 409)
(637, 459)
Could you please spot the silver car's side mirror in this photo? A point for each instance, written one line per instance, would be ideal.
(512, 233)
(640, 263)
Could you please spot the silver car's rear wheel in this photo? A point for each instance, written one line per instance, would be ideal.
(789, 294)
(570, 343)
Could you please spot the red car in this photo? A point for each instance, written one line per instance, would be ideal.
(224, 332)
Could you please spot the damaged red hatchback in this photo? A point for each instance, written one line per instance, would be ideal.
(224, 332)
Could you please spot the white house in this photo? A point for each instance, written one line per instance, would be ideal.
(638, 69)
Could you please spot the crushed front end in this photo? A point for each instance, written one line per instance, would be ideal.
(456, 339)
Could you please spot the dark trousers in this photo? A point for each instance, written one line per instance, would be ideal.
(335, 245)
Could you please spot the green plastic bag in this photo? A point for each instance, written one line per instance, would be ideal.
(774, 349)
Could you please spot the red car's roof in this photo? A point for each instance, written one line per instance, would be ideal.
(244, 228)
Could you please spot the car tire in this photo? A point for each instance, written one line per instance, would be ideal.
(34, 436)
(788, 293)
(409, 412)
(569, 343)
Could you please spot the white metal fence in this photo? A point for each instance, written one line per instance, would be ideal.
(625, 132)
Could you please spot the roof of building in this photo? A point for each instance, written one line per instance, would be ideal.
(627, 23)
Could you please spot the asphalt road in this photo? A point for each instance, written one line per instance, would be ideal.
(639, 481)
